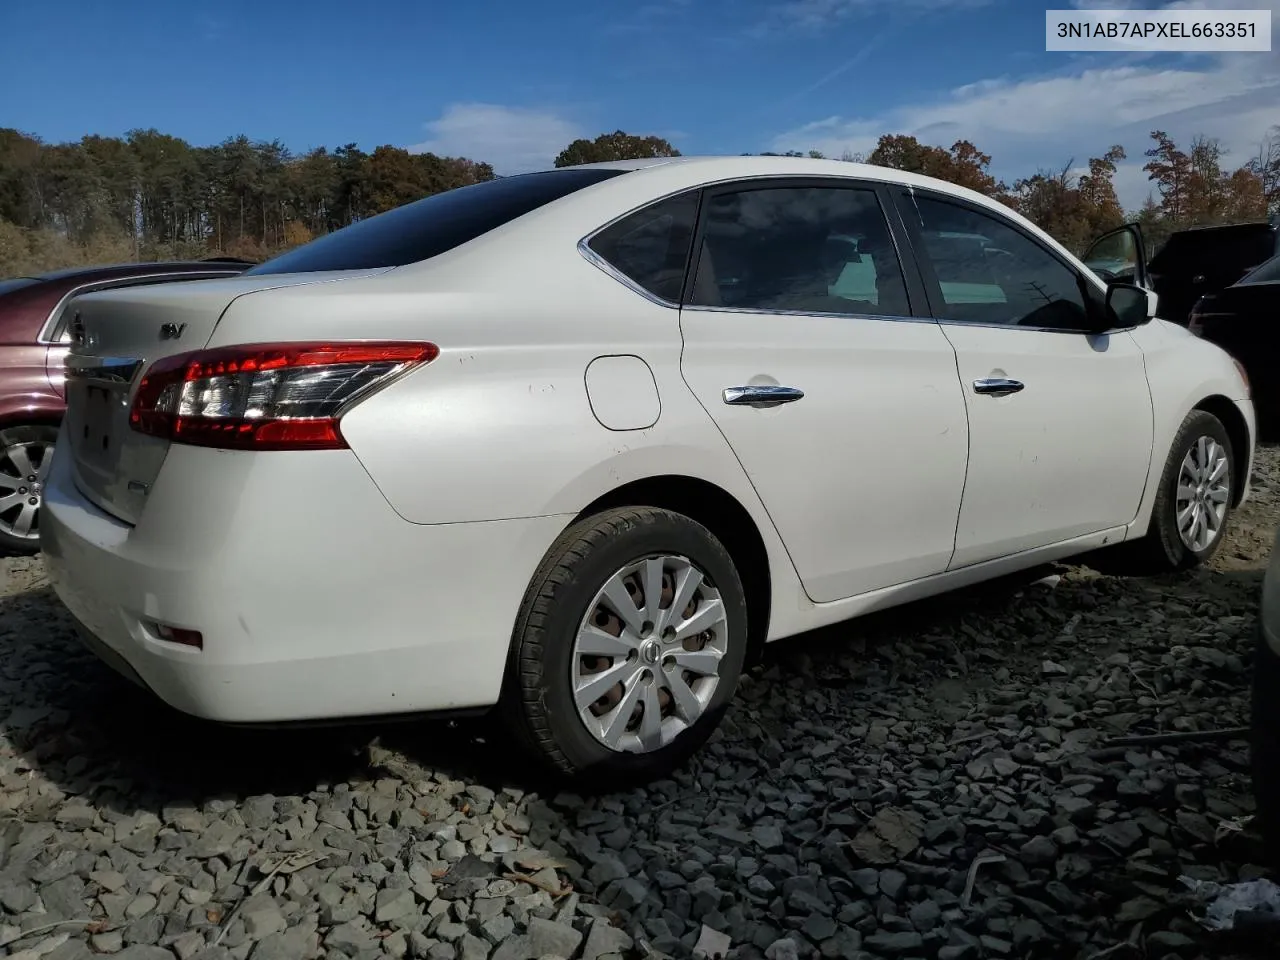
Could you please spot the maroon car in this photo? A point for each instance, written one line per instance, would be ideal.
(35, 314)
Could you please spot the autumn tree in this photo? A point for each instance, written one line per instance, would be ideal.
(1073, 207)
(1170, 169)
(614, 146)
(1195, 188)
(964, 164)
(1265, 165)
(154, 195)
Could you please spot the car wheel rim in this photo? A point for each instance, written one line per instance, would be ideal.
(1204, 490)
(647, 655)
(22, 476)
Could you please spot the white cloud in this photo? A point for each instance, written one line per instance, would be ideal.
(513, 139)
(1045, 121)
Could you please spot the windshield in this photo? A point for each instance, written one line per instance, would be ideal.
(433, 225)
(1269, 272)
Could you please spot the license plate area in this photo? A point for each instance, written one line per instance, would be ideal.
(96, 428)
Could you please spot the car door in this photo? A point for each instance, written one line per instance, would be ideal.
(1060, 419)
(1120, 256)
(840, 402)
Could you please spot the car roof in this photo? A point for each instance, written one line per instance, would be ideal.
(710, 168)
(1228, 227)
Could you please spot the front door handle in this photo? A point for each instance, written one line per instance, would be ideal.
(761, 395)
(997, 386)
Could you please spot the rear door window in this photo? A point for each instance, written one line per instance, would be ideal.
(426, 228)
(816, 250)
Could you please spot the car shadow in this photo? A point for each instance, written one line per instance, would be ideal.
(90, 733)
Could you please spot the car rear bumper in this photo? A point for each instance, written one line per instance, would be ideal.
(314, 600)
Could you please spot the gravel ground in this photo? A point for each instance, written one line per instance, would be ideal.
(933, 782)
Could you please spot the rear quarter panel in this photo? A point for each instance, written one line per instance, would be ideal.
(499, 426)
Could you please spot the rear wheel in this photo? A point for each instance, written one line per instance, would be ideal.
(1192, 506)
(628, 647)
(25, 454)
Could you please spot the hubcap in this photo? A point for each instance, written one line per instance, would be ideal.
(23, 467)
(646, 660)
(1204, 489)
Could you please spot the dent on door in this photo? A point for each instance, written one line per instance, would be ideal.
(622, 392)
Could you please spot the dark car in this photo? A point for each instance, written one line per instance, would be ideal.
(1242, 319)
(35, 313)
(1191, 264)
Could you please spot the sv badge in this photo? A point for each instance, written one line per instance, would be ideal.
(171, 331)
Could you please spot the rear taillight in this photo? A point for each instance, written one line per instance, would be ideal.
(267, 396)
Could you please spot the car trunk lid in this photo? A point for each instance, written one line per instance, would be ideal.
(116, 336)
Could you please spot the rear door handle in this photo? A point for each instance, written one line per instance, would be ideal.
(997, 386)
(761, 395)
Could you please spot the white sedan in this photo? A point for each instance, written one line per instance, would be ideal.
(577, 443)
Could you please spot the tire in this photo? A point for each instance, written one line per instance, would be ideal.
(1162, 549)
(1265, 753)
(19, 519)
(539, 697)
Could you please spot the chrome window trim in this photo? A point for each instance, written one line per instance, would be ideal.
(759, 311)
(51, 321)
(894, 318)
(598, 261)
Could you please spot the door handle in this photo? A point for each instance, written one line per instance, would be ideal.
(761, 395)
(997, 386)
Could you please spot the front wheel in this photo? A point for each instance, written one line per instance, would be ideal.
(25, 455)
(1193, 502)
(628, 647)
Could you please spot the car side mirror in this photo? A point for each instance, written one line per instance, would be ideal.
(1129, 305)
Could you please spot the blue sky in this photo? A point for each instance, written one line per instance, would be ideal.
(512, 82)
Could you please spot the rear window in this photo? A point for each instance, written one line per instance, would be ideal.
(431, 226)
(1269, 272)
(1218, 249)
(16, 283)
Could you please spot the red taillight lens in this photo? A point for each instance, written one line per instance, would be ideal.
(266, 396)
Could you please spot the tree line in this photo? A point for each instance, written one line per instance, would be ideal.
(149, 195)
